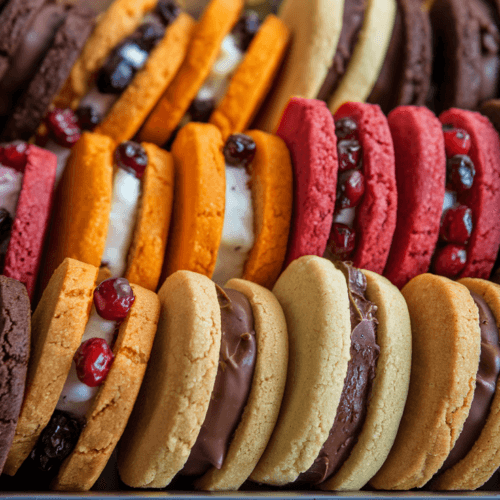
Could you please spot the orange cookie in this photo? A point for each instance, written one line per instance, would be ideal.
(112, 217)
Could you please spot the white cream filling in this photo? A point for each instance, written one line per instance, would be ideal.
(345, 216)
(450, 199)
(238, 230)
(11, 183)
(62, 153)
(76, 397)
(122, 219)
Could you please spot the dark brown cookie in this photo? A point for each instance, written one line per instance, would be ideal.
(15, 317)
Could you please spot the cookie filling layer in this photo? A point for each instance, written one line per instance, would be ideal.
(457, 220)
(352, 22)
(232, 384)
(24, 62)
(353, 405)
(350, 191)
(486, 381)
(238, 230)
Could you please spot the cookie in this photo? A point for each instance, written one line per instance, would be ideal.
(308, 130)
(445, 356)
(490, 109)
(15, 335)
(421, 177)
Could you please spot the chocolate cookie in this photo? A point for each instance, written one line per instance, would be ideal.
(15, 320)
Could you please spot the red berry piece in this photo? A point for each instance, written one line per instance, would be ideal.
(456, 141)
(93, 361)
(450, 260)
(456, 226)
(460, 173)
(64, 127)
(342, 240)
(132, 157)
(346, 128)
(350, 190)
(349, 154)
(239, 150)
(113, 299)
(14, 156)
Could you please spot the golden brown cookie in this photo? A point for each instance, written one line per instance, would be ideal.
(57, 326)
(313, 295)
(107, 418)
(445, 358)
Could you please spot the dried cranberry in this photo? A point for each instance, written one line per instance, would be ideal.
(245, 29)
(88, 117)
(5, 224)
(460, 173)
(64, 127)
(168, 10)
(456, 226)
(456, 141)
(239, 150)
(113, 299)
(350, 189)
(201, 109)
(346, 128)
(342, 240)
(349, 153)
(14, 156)
(93, 359)
(115, 76)
(132, 157)
(150, 34)
(450, 260)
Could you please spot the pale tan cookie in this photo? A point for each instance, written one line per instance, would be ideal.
(177, 388)
(369, 54)
(484, 457)
(57, 327)
(445, 358)
(314, 298)
(315, 27)
(389, 390)
(108, 416)
(263, 403)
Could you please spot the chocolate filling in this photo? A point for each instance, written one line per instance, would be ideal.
(486, 381)
(232, 383)
(353, 405)
(352, 21)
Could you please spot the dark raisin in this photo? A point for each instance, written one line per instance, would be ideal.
(460, 173)
(239, 150)
(132, 157)
(5, 224)
(245, 29)
(168, 10)
(57, 440)
(115, 75)
(150, 34)
(201, 109)
(88, 117)
(346, 128)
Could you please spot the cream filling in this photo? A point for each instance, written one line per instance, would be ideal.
(345, 216)
(11, 183)
(238, 230)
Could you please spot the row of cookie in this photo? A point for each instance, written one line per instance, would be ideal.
(400, 386)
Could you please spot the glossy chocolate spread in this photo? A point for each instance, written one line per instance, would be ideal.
(351, 412)
(486, 380)
(232, 384)
(354, 13)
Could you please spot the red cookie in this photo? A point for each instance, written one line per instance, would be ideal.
(375, 218)
(421, 177)
(483, 197)
(309, 132)
(22, 259)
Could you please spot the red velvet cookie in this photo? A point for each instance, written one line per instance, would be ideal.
(473, 175)
(308, 130)
(421, 177)
(365, 212)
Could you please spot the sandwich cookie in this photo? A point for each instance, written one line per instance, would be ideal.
(446, 345)
(353, 365)
(466, 53)
(469, 236)
(114, 206)
(84, 374)
(213, 387)
(419, 148)
(15, 331)
(405, 77)
(26, 193)
(232, 205)
(41, 41)
(229, 68)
